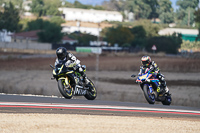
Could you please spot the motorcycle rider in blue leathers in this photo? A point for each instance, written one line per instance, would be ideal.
(153, 67)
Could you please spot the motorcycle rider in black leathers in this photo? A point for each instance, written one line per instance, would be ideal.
(147, 63)
(70, 61)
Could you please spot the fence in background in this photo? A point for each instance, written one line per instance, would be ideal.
(33, 46)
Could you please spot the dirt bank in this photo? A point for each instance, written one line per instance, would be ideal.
(110, 62)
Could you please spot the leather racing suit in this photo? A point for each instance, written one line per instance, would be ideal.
(71, 61)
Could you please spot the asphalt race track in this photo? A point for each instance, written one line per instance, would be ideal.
(43, 104)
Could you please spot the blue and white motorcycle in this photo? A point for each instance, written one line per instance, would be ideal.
(152, 88)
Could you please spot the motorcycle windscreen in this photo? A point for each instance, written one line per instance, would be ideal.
(145, 76)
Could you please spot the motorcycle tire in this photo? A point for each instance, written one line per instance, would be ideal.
(149, 97)
(92, 92)
(66, 92)
(167, 101)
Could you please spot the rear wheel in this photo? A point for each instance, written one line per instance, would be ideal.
(65, 90)
(168, 100)
(91, 92)
(149, 97)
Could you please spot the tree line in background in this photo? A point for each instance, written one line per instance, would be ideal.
(162, 9)
(143, 35)
(142, 9)
(140, 33)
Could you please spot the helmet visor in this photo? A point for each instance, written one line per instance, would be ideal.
(61, 56)
(145, 63)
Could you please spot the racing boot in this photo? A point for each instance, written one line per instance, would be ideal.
(163, 83)
(85, 79)
(165, 88)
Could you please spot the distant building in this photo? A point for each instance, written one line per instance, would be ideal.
(130, 16)
(155, 20)
(187, 34)
(84, 27)
(5, 36)
(66, 39)
(90, 15)
(25, 37)
(31, 36)
(26, 6)
(98, 43)
(87, 20)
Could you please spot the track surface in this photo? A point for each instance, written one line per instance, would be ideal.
(39, 104)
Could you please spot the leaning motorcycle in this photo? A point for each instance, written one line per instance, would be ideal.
(152, 88)
(71, 83)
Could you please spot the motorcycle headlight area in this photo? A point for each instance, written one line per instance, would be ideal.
(143, 77)
(148, 80)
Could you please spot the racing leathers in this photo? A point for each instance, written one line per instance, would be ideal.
(72, 62)
(153, 67)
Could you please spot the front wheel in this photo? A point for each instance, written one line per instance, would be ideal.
(149, 97)
(65, 90)
(91, 92)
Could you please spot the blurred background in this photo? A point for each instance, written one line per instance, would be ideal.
(109, 37)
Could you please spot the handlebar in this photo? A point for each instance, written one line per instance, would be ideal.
(133, 76)
(52, 66)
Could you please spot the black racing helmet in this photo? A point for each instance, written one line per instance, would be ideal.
(61, 53)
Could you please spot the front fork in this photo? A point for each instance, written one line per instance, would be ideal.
(67, 81)
(150, 89)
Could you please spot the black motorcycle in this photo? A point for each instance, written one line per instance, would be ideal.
(71, 83)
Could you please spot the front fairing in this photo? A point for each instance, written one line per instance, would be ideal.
(148, 77)
(61, 71)
(143, 77)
